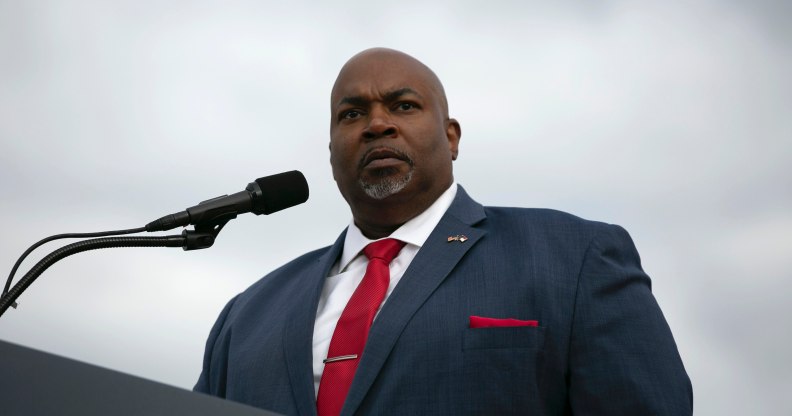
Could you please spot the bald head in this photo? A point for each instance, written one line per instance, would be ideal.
(378, 60)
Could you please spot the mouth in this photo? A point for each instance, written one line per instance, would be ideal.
(383, 157)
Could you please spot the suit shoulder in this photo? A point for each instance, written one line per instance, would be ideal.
(549, 224)
(542, 217)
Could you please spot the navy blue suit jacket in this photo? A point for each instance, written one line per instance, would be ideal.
(602, 346)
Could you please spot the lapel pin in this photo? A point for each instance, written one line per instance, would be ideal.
(460, 238)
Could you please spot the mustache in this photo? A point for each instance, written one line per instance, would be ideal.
(388, 152)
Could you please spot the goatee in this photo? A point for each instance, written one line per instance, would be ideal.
(385, 186)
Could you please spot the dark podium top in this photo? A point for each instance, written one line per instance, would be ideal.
(37, 383)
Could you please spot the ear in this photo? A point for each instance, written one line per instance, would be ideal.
(453, 133)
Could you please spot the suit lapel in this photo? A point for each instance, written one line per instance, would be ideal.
(297, 344)
(435, 260)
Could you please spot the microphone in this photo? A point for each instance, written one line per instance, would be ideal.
(262, 196)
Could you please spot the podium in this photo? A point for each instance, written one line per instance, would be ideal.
(36, 383)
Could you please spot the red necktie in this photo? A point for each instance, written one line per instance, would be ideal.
(349, 338)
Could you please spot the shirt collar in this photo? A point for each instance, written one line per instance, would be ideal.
(415, 231)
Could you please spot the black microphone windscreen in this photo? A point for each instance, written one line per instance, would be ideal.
(281, 191)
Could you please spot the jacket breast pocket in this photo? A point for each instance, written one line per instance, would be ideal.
(501, 369)
(529, 337)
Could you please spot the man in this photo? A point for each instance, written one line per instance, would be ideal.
(486, 310)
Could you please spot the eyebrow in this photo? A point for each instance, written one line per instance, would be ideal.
(390, 96)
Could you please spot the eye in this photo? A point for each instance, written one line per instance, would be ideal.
(350, 114)
(405, 106)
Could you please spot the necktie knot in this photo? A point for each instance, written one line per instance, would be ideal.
(385, 250)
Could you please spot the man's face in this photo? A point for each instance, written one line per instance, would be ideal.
(390, 136)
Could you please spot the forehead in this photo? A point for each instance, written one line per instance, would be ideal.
(372, 77)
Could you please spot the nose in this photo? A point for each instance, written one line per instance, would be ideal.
(380, 125)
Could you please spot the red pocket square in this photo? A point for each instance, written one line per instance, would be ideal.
(482, 322)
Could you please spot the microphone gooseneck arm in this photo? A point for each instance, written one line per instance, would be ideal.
(58, 237)
(262, 196)
(78, 247)
(203, 236)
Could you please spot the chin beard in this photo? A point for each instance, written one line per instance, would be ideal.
(385, 186)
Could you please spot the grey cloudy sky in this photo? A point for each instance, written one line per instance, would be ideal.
(669, 118)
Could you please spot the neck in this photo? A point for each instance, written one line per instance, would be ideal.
(376, 231)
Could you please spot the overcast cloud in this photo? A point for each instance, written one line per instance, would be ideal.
(672, 120)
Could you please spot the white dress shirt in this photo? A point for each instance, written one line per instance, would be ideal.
(348, 271)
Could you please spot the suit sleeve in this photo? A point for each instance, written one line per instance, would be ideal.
(213, 375)
(622, 356)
